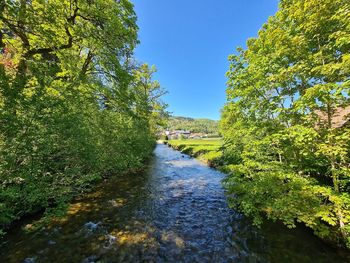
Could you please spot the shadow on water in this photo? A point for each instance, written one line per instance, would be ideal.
(174, 212)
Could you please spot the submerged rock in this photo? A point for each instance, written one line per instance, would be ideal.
(29, 260)
(92, 226)
(51, 242)
(91, 259)
(110, 240)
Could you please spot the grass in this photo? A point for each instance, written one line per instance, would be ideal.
(207, 150)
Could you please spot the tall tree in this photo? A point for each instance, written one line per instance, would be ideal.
(67, 114)
(281, 89)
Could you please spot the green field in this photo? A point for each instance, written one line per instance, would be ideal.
(207, 150)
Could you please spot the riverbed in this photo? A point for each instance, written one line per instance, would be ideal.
(176, 211)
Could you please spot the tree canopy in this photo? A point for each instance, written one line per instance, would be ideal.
(75, 104)
(287, 162)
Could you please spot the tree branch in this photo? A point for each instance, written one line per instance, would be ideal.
(30, 53)
(87, 63)
(71, 20)
(18, 32)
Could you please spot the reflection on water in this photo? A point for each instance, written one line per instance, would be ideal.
(175, 212)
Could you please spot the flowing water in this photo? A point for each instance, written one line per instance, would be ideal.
(174, 212)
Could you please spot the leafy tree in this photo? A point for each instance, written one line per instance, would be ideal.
(288, 160)
(148, 94)
(69, 97)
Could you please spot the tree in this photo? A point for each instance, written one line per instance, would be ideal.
(148, 94)
(68, 91)
(297, 68)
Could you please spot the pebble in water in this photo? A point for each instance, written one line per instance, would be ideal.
(110, 240)
(91, 259)
(29, 260)
(92, 226)
(51, 242)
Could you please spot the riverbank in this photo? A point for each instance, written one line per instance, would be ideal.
(206, 150)
(57, 208)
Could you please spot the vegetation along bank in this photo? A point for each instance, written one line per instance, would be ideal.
(75, 106)
(285, 123)
(206, 150)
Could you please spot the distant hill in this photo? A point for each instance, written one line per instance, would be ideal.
(194, 125)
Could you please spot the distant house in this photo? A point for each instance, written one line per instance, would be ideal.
(339, 118)
(197, 135)
(182, 132)
(177, 134)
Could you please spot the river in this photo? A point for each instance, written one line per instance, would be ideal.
(174, 212)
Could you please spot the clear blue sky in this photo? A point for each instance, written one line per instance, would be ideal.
(189, 42)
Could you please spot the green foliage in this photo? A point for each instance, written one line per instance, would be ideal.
(286, 157)
(194, 125)
(74, 105)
